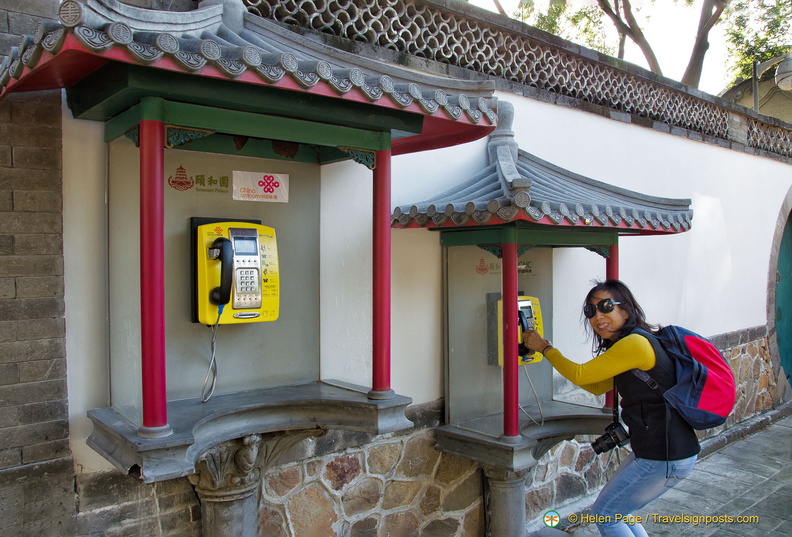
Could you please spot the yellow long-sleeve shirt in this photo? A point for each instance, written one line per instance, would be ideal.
(596, 375)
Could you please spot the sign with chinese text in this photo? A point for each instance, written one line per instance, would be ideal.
(182, 181)
(257, 186)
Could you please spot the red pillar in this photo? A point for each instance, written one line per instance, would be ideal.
(152, 278)
(611, 273)
(612, 263)
(511, 390)
(381, 307)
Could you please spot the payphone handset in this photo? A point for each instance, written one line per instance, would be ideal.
(237, 272)
(530, 318)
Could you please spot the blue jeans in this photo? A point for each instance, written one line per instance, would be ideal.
(636, 483)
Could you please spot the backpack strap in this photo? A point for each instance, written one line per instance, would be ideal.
(644, 376)
(659, 352)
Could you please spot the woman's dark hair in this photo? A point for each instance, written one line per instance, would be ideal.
(635, 314)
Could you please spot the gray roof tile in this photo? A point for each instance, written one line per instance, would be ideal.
(517, 185)
(222, 37)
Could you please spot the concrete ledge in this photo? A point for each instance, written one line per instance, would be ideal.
(478, 439)
(198, 426)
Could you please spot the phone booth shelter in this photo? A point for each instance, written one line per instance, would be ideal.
(498, 231)
(233, 106)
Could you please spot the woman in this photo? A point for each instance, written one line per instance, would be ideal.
(664, 446)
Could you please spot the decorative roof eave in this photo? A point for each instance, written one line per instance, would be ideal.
(654, 226)
(220, 41)
(519, 187)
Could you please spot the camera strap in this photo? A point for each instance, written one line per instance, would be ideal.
(615, 404)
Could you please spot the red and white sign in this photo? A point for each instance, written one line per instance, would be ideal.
(257, 186)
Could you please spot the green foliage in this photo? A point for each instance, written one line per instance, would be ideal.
(584, 25)
(757, 30)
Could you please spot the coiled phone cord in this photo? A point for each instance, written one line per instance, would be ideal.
(212, 371)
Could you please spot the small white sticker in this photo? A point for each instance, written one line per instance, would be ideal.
(257, 186)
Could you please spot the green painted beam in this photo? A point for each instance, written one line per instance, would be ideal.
(117, 87)
(119, 125)
(553, 236)
(274, 127)
(234, 122)
(253, 147)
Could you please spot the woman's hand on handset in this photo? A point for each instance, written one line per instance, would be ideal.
(534, 341)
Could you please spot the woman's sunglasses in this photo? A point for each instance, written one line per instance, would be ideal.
(605, 306)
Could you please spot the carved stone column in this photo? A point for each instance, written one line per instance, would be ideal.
(227, 480)
(506, 502)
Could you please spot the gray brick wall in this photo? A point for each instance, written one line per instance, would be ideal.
(33, 408)
(37, 494)
(36, 470)
(40, 493)
(115, 505)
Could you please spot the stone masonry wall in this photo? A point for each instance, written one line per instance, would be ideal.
(399, 487)
(115, 505)
(33, 405)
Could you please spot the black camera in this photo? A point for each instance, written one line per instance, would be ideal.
(615, 435)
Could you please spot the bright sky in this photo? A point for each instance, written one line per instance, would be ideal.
(670, 32)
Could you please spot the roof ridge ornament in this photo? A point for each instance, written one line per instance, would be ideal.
(233, 13)
(97, 13)
(503, 151)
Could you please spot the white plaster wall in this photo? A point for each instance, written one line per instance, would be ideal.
(712, 279)
(345, 271)
(416, 306)
(85, 277)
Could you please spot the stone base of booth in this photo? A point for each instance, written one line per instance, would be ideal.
(198, 427)
(509, 464)
(227, 480)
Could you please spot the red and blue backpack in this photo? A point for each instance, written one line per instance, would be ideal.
(705, 391)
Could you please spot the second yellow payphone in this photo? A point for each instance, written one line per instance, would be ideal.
(530, 316)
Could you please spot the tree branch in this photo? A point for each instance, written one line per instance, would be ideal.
(629, 27)
(711, 12)
(621, 26)
(500, 7)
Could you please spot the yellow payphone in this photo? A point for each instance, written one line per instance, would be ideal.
(237, 278)
(530, 315)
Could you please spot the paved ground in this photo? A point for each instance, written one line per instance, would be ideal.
(751, 478)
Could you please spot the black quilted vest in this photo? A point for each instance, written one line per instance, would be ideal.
(643, 411)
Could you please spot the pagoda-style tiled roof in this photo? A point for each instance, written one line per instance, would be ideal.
(518, 186)
(220, 39)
